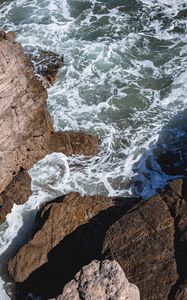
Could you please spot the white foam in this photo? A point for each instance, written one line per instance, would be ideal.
(115, 64)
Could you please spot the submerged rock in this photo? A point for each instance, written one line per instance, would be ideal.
(102, 281)
(171, 148)
(46, 64)
(26, 131)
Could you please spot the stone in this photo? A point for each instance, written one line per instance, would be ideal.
(101, 280)
(70, 142)
(55, 221)
(171, 147)
(46, 64)
(18, 191)
(150, 243)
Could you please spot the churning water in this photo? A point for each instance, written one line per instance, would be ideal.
(125, 79)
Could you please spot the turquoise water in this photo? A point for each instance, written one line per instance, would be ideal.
(125, 79)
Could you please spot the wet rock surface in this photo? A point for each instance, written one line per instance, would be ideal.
(171, 148)
(46, 64)
(102, 281)
(71, 142)
(26, 131)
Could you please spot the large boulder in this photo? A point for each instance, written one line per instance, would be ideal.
(150, 243)
(26, 131)
(101, 280)
(55, 221)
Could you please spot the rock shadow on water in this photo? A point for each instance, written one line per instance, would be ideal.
(164, 161)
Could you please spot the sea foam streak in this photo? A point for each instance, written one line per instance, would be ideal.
(125, 78)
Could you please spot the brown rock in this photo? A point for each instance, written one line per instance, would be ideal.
(73, 143)
(150, 243)
(24, 120)
(26, 131)
(102, 281)
(56, 220)
(18, 191)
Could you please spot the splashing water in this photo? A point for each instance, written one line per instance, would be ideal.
(125, 78)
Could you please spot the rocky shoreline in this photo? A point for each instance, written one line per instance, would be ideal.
(82, 247)
(27, 133)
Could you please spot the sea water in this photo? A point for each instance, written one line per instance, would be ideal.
(124, 79)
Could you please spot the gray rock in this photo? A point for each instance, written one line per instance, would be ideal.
(100, 280)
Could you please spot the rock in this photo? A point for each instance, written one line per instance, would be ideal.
(55, 221)
(74, 251)
(150, 243)
(181, 293)
(46, 64)
(171, 148)
(102, 281)
(24, 120)
(18, 191)
(73, 143)
(148, 240)
(26, 131)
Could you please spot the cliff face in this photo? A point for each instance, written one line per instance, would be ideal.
(25, 124)
(26, 131)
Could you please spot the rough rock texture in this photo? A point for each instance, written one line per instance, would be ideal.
(70, 142)
(46, 64)
(102, 281)
(75, 250)
(18, 191)
(148, 240)
(26, 131)
(150, 244)
(24, 120)
(56, 220)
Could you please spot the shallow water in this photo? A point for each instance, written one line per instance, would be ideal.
(125, 79)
